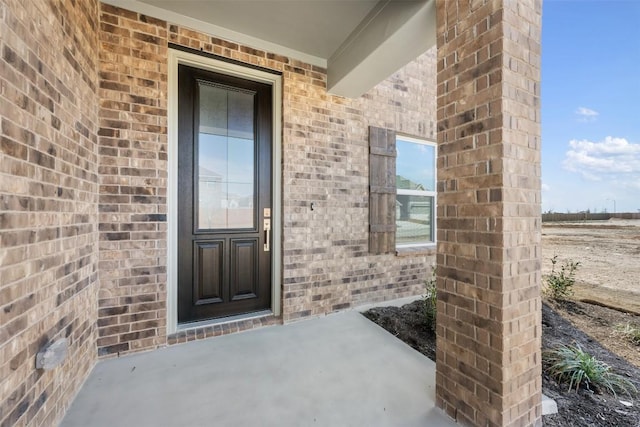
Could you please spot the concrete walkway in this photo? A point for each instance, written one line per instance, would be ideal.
(338, 370)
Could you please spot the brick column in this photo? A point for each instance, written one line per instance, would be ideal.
(488, 262)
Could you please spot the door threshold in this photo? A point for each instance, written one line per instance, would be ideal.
(223, 320)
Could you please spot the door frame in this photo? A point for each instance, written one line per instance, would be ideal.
(246, 72)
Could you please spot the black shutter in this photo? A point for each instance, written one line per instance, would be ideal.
(382, 190)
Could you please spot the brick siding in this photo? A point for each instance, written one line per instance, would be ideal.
(489, 309)
(133, 181)
(326, 265)
(48, 202)
(83, 185)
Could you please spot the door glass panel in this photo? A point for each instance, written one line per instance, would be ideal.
(225, 158)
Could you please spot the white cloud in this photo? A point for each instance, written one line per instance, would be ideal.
(545, 187)
(599, 172)
(613, 158)
(586, 114)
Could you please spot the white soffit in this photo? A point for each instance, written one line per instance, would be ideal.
(360, 42)
(315, 27)
(308, 30)
(394, 34)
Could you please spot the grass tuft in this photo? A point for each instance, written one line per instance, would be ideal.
(572, 365)
(630, 332)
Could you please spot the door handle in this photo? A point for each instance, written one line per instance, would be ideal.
(267, 230)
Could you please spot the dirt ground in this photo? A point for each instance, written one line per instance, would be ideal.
(609, 274)
(573, 322)
(609, 256)
(607, 295)
(575, 409)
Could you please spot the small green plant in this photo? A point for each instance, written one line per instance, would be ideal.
(629, 332)
(572, 365)
(560, 283)
(431, 301)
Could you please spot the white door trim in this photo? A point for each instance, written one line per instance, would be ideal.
(177, 57)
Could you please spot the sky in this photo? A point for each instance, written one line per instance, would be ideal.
(590, 105)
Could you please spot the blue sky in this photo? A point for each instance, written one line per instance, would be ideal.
(590, 105)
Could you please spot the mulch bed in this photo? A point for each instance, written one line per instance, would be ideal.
(582, 408)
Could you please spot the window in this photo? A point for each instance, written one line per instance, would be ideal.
(402, 192)
(415, 192)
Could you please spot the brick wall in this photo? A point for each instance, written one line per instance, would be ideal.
(48, 202)
(83, 181)
(325, 151)
(489, 310)
(325, 161)
(133, 181)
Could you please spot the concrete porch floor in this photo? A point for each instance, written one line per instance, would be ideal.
(338, 370)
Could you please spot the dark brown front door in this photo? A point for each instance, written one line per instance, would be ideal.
(224, 195)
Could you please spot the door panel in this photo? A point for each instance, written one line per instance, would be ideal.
(209, 266)
(224, 179)
(243, 267)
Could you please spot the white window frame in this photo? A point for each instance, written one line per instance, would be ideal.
(426, 193)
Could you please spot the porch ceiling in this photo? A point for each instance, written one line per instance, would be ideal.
(360, 42)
